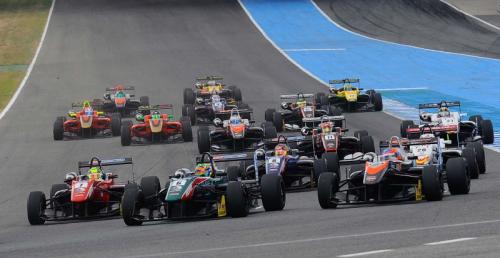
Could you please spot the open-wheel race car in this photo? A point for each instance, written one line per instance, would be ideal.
(350, 97)
(201, 193)
(208, 86)
(86, 123)
(154, 127)
(448, 123)
(295, 108)
(118, 100)
(233, 134)
(405, 170)
(206, 110)
(93, 195)
(298, 171)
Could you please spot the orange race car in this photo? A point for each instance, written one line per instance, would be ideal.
(156, 127)
(86, 123)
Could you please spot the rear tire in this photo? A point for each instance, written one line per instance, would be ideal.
(278, 121)
(203, 140)
(457, 177)
(236, 201)
(116, 124)
(476, 119)
(126, 134)
(187, 132)
(144, 100)
(188, 111)
(130, 205)
(269, 115)
(332, 162)
(150, 186)
(273, 192)
(480, 157)
(189, 97)
(233, 173)
(360, 133)
(486, 129)
(470, 157)
(432, 184)
(367, 144)
(237, 94)
(36, 208)
(377, 102)
(58, 130)
(327, 187)
(405, 124)
(270, 131)
(319, 167)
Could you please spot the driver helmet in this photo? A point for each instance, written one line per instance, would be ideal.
(86, 104)
(88, 111)
(300, 102)
(203, 169)
(182, 172)
(156, 115)
(281, 150)
(235, 120)
(392, 153)
(215, 98)
(211, 83)
(139, 117)
(198, 84)
(326, 128)
(443, 111)
(119, 87)
(120, 94)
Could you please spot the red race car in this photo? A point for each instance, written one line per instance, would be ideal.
(156, 127)
(88, 196)
(86, 123)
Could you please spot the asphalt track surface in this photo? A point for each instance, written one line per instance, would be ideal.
(160, 46)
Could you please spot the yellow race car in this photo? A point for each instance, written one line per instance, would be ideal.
(350, 97)
(207, 86)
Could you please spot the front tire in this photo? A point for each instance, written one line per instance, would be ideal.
(327, 187)
(203, 140)
(126, 134)
(278, 121)
(273, 192)
(116, 124)
(130, 205)
(405, 124)
(432, 184)
(457, 177)
(486, 129)
(187, 132)
(36, 208)
(236, 202)
(58, 130)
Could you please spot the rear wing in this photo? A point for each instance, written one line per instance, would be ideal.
(156, 107)
(210, 78)
(343, 81)
(298, 138)
(406, 142)
(296, 96)
(230, 157)
(440, 104)
(322, 119)
(107, 162)
(124, 88)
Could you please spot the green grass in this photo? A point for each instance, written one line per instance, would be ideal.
(21, 27)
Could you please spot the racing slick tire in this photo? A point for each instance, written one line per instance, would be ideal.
(189, 96)
(203, 140)
(233, 173)
(480, 157)
(116, 124)
(54, 189)
(367, 144)
(327, 187)
(58, 130)
(319, 167)
(334, 111)
(187, 132)
(332, 162)
(126, 135)
(130, 205)
(188, 110)
(377, 102)
(432, 184)
(270, 131)
(144, 100)
(486, 129)
(237, 94)
(150, 187)
(469, 154)
(278, 121)
(405, 124)
(457, 177)
(273, 192)
(236, 202)
(360, 133)
(36, 208)
(269, 115)
(476, 119)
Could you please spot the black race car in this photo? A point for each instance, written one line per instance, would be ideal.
(205, 110)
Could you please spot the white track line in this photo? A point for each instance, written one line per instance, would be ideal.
(366, 253)
(394, 43)
(30, 67)
(309, 240)
(451, 241)
(470, 15)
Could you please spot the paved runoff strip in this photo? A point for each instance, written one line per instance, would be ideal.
(366, 253)
(451, 241)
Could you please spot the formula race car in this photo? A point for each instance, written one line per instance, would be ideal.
(86, 123)
(449, 124)
(117, 100)
(206, 110)
(396, 175)
(88, 196)
(350, 97)
(233, 134)
(327, 138)
(188, 194)
(208, 86)
(156, 127)
(298, 171)
(295, 108)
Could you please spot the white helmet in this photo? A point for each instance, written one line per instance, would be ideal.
(179, 173)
